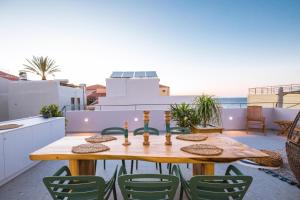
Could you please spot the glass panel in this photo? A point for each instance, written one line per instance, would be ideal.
(128, 75)
(139, 74)
(116, 75)
(151, 74)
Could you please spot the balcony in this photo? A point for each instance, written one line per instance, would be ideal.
(28, 185)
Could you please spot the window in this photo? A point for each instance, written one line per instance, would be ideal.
(72, 103)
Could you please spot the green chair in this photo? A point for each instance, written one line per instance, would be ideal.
(233, 185)
(174, 131)
(147, 186)
(63, 186)
(140, 131)
(112, 131)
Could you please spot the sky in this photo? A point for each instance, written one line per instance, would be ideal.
(217, 47)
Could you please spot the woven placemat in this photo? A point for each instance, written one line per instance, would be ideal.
(192, 137)
(100, 138)
(274, 159)
(10, 126)
(203, 149)
(89, 148)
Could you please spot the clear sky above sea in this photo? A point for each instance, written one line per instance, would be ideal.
(219, 47)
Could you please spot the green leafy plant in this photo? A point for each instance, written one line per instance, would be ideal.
(208, 110)
(181, 113)
(51, 110)
(41, 66)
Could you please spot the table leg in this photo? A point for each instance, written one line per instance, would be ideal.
(82, 167)
(204, 169)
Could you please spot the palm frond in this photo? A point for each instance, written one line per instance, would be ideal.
(41, 66)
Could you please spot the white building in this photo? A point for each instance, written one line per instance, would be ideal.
(125, 90)
(5, 80)
(26, 98)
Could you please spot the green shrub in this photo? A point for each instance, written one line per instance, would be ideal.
(51, 110)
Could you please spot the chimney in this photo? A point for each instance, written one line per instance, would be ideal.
(23, 75)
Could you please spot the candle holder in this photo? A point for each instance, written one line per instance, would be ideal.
(126, 142)
(168, 139)
(146, 139)
(168, 128)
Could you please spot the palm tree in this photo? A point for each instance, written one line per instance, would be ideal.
(41, 66)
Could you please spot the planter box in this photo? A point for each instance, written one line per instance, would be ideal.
(208, 129)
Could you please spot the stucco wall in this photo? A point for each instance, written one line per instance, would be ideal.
(129, 100)
(119, 87)
(66, 93)
(26, 98)
(94, 121)
(4, 99)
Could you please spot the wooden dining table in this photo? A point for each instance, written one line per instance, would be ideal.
(157, 151)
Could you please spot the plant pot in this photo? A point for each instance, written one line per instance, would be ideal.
(46, 115)
(207, 129)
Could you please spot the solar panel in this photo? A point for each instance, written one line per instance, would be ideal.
(139, 74)
(151, 74)
(128, 75)
(116, 75)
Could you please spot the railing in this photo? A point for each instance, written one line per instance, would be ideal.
(274, 89)
(167, 106)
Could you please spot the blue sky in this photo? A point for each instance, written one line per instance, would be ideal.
(218, 47)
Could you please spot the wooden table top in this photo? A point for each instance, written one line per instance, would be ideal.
(157, 151)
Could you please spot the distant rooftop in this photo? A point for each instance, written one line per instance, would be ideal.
(8, 76)
(137, 74)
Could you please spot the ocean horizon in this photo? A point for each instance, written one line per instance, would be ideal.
(232, 102)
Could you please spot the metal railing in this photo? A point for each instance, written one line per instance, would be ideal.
(274, 89)
(136, 107)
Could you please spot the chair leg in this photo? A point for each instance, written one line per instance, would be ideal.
(156, 166)
(131, 167)
(160, 169)
(104, 164)
(181, 193)
(114, 193)
(137, 165)
(187, 165)
(170, 168)
(123, 163)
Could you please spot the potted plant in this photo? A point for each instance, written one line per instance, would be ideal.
(207, 114)
(181, 114)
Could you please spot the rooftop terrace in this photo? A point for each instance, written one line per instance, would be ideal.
(29, 184)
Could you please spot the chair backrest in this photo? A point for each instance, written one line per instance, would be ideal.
(180, 130)
(254, 113)
(140, 131)
(219, 187)
(63, 186)
(148, 186)
(113, 131)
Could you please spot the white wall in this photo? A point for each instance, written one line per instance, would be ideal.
(4, 99)
(130, 100)
(66, 93)
(26, 98)
(98, 120)
(133, 87)
(17, 144)
(235, 118)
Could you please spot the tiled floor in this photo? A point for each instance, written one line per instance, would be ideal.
(29, 186)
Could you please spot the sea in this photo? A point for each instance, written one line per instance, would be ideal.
(233, 102)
